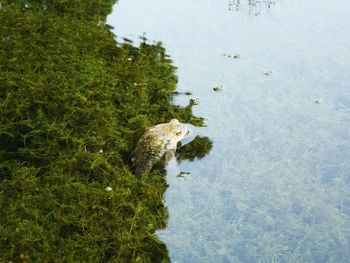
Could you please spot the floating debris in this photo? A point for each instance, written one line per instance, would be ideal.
(218, 88)
(194, 101)
(187, 93)
(267, 72)
(183, 174)
(234, 55)
(319, 101)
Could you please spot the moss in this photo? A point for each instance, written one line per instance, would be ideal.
(73, 103)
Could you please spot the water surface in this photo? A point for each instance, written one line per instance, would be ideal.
(276, 186)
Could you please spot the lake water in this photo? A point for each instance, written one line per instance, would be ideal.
(276, 185)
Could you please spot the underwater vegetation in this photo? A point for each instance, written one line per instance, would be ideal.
(198, 148)
(73, 104)
(276, 186)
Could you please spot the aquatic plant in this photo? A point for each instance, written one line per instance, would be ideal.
(73, 104)
(198, 148)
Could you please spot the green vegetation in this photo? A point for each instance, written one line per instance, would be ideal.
(73, 104)
(197, 149)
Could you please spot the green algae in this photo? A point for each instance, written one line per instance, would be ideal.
(73, 104)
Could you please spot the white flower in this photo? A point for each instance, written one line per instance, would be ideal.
(109, 189)
(101, 151)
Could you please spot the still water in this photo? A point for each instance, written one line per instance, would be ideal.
(276, 185)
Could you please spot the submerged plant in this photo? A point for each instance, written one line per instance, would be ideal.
(73, 104)
(198, 148)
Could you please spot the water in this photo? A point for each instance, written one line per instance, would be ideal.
(276, 186)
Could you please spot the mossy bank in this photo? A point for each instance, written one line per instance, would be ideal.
(73, 104)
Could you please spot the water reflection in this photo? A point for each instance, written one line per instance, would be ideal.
(255, 6)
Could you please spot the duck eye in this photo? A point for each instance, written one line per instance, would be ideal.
(178, 133)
